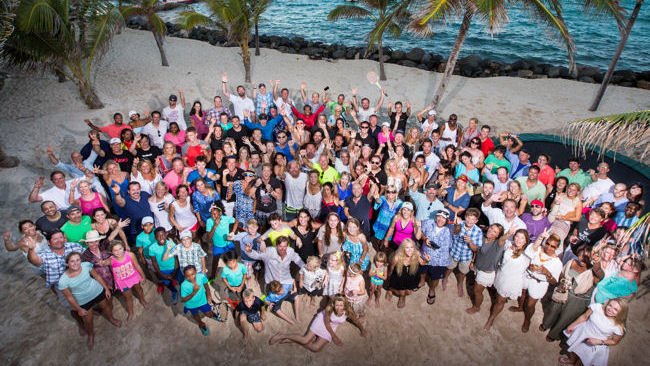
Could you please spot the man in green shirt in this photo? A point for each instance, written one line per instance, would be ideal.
(497, 159)
(326, 173)
(166, 270)
(531, 186)
(340, 101)
(77, 226)
(574, 174)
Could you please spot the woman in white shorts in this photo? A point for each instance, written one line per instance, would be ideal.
(485, 263)
(544, 269)
(510, 276)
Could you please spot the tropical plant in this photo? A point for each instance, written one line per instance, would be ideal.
(7, 15)
(625, 33)
(49, 34)
(617, 132)
(235, 18)
(257, 20)
(433, 13)
(388, 15)
(148, 9)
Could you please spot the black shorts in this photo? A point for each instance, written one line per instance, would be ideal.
(433, 272)
(303, 291)
(94, 302)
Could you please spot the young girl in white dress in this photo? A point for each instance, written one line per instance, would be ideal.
(509, 278)
(335, 275)
(591, 335)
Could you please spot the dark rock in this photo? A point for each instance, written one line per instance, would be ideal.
(408, 63)
(397, 55)
(339, 53)
(513, 74)
(283, 48)
(564, 72)
(545, 68)
(626, 75)
(423, 67)
(539, 76)
(521, 65)
(415, 54)
(297, 42)
(311, 51)
(586, 79)
(629, 84)
(599, 77)
(537, 69)
(643, 84)
(469, 64)
(644, 75)
(553, 72)
(350, 53)
(426, 59)
(587, 71)
(525, 73)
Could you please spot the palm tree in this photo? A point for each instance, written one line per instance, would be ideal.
(621, 45)
(48, 36)
(257, 20)
(616, 132)
(235, 17)
(148, 9)
(388, 15)
(495, 14)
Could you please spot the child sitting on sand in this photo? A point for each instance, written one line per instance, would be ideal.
(355, 289)
(278, 294)
(127, 274)
(251, 310)
(312, 278)
(234, 275)
(244, 238)
(335, 271)
(378, 274)
(195, 294)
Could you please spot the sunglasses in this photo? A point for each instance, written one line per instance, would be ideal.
(391, 192)
(364, 127)
(376, 162)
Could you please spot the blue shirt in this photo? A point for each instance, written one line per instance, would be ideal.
(462, 201)
(199, 299)
(286, 151)
(424, 208)
(441, 237)
(194, 175)
(460, 250)
(201, 204)
(136, 211)
(267, 131)
(236, 277)
(517, 169)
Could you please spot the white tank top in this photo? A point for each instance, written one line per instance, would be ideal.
(448, 133)
(184, 215)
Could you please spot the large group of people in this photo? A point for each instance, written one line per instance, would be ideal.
(274, 201)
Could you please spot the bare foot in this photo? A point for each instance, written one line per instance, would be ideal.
(444, 284)
(144, 303)
(488, 325)
(275, 338)
(388, 295)
(91, 342)
(376, 302)
(549, 339)
(128, 319)
(116, 322)
(472, 310)
(541, 328)
(82, 331)
(515, 309)
(460, 291)
(525, 326)
(401, 302)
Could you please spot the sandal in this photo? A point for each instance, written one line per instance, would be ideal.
(564, 360)
(431, 299)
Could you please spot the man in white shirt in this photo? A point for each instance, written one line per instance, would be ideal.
(506, 217)
(295, 183)
(239, 101)
(59, 193)
(175, 112)
(283, 100)
(156, 130)
(431, 160)
(365, 111)
(601, 184)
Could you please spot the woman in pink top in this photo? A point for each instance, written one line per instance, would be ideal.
(127, 274)
(404, 226)
(198, 117)
(89, 199)
(323, 329)
(176, 136)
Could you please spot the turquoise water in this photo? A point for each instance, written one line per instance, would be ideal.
(596, 39)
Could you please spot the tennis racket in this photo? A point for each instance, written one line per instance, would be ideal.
(373, 79)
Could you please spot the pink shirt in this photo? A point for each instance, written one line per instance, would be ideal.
(114, 130)
(173, 180)
(178, 140)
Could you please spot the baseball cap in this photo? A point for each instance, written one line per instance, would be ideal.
(72, 208)
(147, 220)
(115, 140)
(537, 203)
(463, 178)
(443, 213)
(432, 112)
(433, 185)
(185, 234)
(399, 131)
(173, 97)
(385, 124)
(131, 113)
(524, 150)
(408, 205)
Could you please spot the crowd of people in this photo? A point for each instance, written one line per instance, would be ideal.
(326, 206)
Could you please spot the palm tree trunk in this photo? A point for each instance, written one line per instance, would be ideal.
(453, 55)
(159, 43)
(7, 161)
(257, 40)
(88, 94)
(382, 73)
(246, 59)
(617, 55)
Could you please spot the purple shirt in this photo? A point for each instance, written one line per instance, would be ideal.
(534, 227)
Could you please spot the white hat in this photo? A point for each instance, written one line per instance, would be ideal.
(432, 112)
(407, 205)
(185, 234)
(93, 235)
(132, 113)
(147, 220)
(115, 140)
(385, 124)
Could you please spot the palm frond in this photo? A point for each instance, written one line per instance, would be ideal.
(493, 12)
(605, 8)
(190, 19)
(394, 30)
(157, 24)
(430, 14)
(38, 16)
(101, 31)
(129, 11)
(616, 132)
(349, 12)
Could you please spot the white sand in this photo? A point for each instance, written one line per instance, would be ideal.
(36, 110)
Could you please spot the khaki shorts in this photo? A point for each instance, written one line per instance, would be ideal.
(463, 267)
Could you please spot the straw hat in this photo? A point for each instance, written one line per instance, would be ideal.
(93, 235)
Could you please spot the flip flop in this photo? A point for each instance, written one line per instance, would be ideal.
(564, 360)
(205, 331)
(431, 299)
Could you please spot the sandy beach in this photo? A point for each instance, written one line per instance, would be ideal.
(36, 110)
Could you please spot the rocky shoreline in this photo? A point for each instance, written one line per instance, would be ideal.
(470, 66)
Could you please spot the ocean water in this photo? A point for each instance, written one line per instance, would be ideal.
(596, 38)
